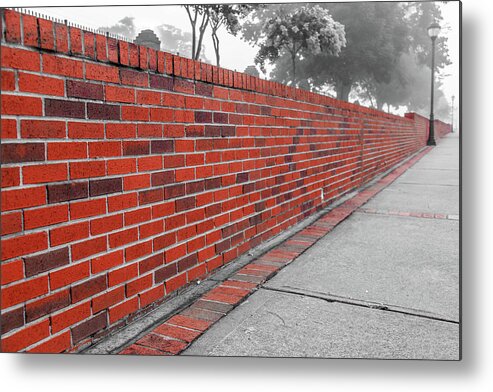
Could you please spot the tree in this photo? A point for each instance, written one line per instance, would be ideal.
(308, 30)
(228, 16)
(124, 27)
(176, 40)
(196, 14)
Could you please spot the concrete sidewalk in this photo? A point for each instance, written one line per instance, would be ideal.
(384, 283)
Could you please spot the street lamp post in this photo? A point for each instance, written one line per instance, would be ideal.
(453, 98)
(433, 32)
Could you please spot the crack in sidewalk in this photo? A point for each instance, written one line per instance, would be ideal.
(332, 298)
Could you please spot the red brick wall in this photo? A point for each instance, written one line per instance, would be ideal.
(128, 173)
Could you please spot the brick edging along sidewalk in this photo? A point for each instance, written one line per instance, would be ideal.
(175, 334)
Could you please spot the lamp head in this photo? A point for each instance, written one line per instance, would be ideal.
(433, 30)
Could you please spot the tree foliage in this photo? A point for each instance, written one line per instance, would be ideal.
(176, 40)
(124, 27)
(307, 31)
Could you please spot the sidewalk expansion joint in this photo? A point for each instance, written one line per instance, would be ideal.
(425, 215)
(175, 324)
(332, 298)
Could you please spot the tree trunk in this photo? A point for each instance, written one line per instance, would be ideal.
(203, 26)
(343, 91)
(215, 41)
(293, 59)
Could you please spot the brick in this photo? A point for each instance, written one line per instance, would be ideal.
(203, 89)
(84, 130)
(150, 130)
(101, 111)
(89, 44)
(45, 173)
(23, 245)
(11, 223)
(11, 271)
(203, 117)
(88, 248)
(104, 149)
(12, 319)
(104, 73)
(150, 296)
(47, 305)
(151, 196)
(175, 332)
(162, 178)
(22, 152)
(64, 108)
(105, 186)
(21, 105)
(46, 34)
(162, 146)
(69, 191)
(201, 314)
(80, 89)
(123, 237)
(160, 82)
(89, 327)
(70, 317)
(45, 216)
(107, 261)
(26, 337)
(150, 163)
(137, 216)
(134, 78)
(88, 288)
(10, 177)
(8, 128)
(121, 166)
(87, 169)
(24, 291)
(66, 150)
(55, 345)
(61, 38)
(101, 53)
(161, 115)
(122, 202)
(12, 26)
(23, 198)
(85, 209)
(134, 113)
(188, 322)
(69, 275)
(138, 285)
(41, 84)
(69, 233)
(106, 224)
(165, 273)
(20, 59)
(135, 147)
(120, 94)
(108, 299)
(75, 40)
(62, 66)
(136, 182)
(112, 50)
(218, 307)
(119, 311)
(120, 130)
(160, 343)
(145, 97)
(150, 263)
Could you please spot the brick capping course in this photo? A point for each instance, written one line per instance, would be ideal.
(129, 173)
